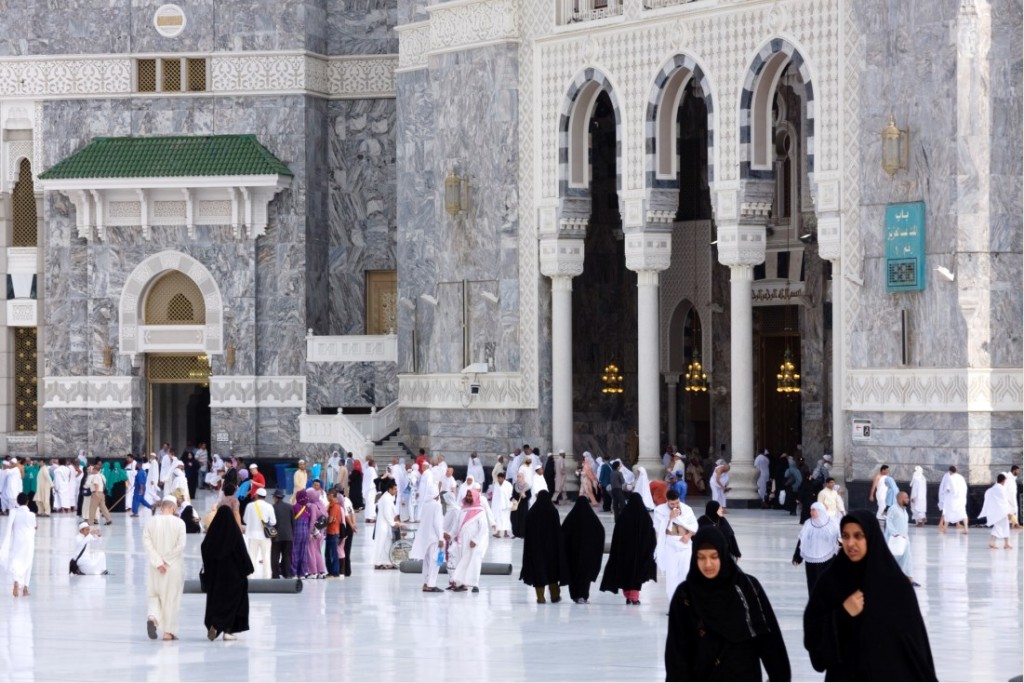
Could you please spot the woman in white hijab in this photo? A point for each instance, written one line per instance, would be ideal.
(643, 487)
(818, 544)
(918, 496)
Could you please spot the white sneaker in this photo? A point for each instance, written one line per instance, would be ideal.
(230, 636)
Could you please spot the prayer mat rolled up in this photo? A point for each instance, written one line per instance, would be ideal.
(257, 586)
(489, 568)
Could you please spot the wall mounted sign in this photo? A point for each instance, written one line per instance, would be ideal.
(169, 20)
(862, 430)
(904, 247)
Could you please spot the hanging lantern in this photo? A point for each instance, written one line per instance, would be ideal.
(696, 378)
(612, 379)
(788, 378)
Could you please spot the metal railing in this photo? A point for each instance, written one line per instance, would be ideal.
(572, 11)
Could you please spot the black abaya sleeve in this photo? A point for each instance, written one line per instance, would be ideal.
(797, 557)
(681, 641)
(823, 634)
(771, 648)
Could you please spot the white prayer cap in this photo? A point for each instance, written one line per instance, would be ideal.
(262, 493)
(253, 466)
(301, 461)
(180, 464)
(827, 457)
(170, 500)
(562, 452)
(83, 525)
(475, 486)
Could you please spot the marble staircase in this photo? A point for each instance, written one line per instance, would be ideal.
(391, 447)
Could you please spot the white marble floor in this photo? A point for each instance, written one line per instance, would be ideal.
(379, 626)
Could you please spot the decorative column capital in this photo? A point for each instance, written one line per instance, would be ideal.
(741, 244)
(672, 378)
(561, 257)
(647, 250)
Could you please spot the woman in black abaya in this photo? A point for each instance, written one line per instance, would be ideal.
(521, 494)
(863, 622)
(583, 538)
(544, 562)
(226, 566)
(631, 559)
(721, 626)
(714, 515)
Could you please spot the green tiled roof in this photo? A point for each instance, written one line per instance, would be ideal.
(171, 156)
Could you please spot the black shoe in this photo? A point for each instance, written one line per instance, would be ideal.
(476, 589)
(151, 629)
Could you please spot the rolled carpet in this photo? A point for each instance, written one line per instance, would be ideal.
(489, 568)
(257, 586)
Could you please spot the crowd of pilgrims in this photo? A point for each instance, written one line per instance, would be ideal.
(861, 621)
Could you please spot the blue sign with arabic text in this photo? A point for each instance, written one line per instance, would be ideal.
(904, 247)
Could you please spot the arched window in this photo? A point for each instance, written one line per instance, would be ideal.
(23, 199)
(175, 299)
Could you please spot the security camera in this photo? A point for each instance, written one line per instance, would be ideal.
(474, 389)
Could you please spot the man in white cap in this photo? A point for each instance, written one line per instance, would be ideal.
(179, 482)
(164, 541)
(257, 479)
(257, 514)
(87, 558)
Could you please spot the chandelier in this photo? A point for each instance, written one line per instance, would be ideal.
(696, 378)
(788, 378)
(612, 379)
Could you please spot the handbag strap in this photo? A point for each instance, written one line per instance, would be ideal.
(299, 513)
(256, 503)
(81, 552)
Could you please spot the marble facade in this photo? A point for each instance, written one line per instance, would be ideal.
(485, 89)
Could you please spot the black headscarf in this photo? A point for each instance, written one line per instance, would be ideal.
(631, 560)
(712, 518)
(583, 538)
(544, 560)
(549, 472)
(728, 604)
(888, 640)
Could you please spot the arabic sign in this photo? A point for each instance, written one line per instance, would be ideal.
(904, 247)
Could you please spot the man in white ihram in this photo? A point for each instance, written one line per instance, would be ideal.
(675, 525)
(953, 500)
(258, 513)
(164, 541)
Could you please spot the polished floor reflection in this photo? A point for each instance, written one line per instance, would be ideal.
(379, 626)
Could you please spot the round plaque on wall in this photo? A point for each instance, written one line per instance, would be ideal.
(169, 20)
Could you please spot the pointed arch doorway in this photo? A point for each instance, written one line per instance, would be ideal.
(177, 384)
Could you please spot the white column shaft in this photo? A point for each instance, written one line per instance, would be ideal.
(741, 337)
(561, 363)
(648, 375)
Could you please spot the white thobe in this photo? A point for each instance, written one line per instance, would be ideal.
(382, 529)
(425, 546)
(153, 483)
(129, 485)
(164, 541)
(761, 464)
(167, 464)
(996, 511)
(12, 487)
(881, 493)
(18, 548)
(369, 486)
(64, 495)
(673, 553)
(898, 524)
(475, 469)
(718, 490)
(919, 497)
(955, 499)
(833, 503)
(471, 559)
(92, 561)
(501, 506)
(426, 488)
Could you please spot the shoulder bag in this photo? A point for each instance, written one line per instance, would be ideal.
(269, 530)
(73, 564)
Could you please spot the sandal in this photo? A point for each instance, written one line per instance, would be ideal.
(151, 628)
